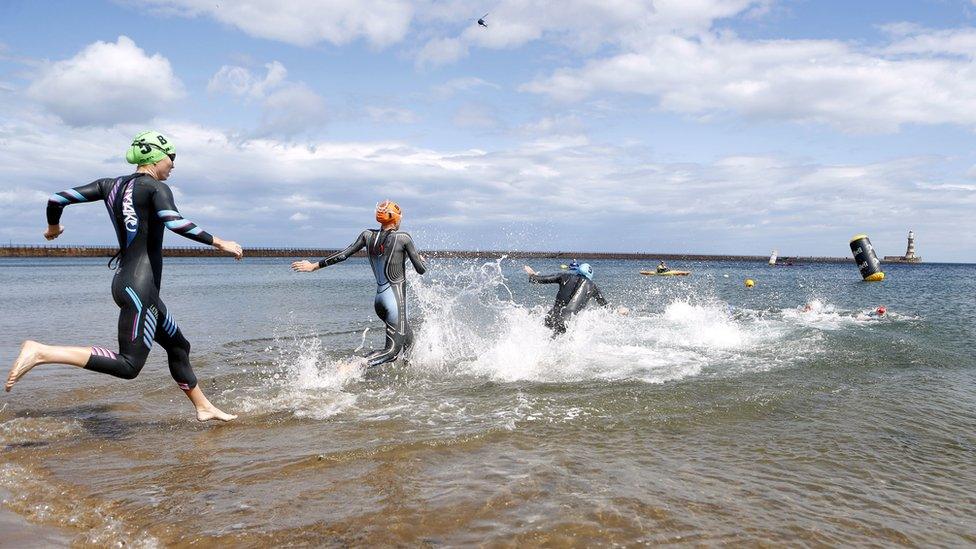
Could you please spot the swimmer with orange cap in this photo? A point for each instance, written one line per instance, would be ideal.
(388, 249)
(875, 314)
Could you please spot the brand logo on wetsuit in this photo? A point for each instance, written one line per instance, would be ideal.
(128, 212)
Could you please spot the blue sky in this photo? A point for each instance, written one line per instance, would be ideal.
(703, 126)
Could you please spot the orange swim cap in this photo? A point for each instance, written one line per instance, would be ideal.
(388, 213)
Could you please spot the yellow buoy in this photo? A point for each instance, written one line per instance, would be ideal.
(750, 283)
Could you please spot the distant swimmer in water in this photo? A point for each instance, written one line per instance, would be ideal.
(662, 268)
(388, 249)
(576, 287)
(874, 314)
(812, 306)
(140, 206)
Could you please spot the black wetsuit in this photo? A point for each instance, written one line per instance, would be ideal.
(388, 252)
(140, 208)
(575, 290)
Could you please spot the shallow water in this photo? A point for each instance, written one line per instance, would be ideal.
(712, 413)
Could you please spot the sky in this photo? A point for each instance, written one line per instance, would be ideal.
(672, 126)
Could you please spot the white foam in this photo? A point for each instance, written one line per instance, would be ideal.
(42, 499)
(305, 381)
(27, 430)
(473, 326)
(826, 316)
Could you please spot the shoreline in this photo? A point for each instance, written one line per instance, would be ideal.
(23, 251)
(20, 532)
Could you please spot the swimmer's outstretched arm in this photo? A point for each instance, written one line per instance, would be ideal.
(57, 202)
(306, 266)
(418, 262)
(537, 278)
(167, 212)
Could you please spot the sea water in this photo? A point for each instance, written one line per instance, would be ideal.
(711, 413)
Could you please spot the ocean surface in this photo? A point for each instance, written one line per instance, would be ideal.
(712, 414)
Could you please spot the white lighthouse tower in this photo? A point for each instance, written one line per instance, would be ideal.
(910, 252)
(909, 256)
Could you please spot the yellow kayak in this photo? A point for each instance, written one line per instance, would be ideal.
(666, 273)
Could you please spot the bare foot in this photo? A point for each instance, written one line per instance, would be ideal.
(26, 360)
(212, 412)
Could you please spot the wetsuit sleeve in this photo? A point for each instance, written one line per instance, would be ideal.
(599, 297)
(57, 201)
(359, 244)
(418, 262)
(167, 212)
(546, 279)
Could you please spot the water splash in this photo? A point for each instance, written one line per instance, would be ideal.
(473, 325)
(303, 379)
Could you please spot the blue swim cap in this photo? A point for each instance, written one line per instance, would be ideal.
(585, 270)
(573, 265)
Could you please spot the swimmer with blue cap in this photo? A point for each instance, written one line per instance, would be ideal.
(576, 288)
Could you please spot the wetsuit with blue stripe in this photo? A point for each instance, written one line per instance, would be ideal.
(140, 209)
(388, 252)
(575, 290)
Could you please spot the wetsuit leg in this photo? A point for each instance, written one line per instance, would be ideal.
(177, 349)
(556, 321)
(404, 326)
(388, 305)
(137, 325)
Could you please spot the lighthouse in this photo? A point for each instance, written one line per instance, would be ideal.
(909, 256)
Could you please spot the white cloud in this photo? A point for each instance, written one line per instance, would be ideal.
(250, 191)
(475, 116)
(306, 22)
(916, 40)
(18, 196)
(299, 216)
(242, 82)
(107, 83)
(553, 126)
(292, 110)
(673, 53)
(441, 51)
(289, 108)
(822, 81)
(451, 87)
(392, 114)
(580, 25)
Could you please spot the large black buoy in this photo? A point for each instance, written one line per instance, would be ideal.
(866, 259)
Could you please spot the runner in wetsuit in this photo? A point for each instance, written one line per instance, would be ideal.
(140, 206)
(576, 287)
(388, 249)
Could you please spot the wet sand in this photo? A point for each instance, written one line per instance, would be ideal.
(16, 531)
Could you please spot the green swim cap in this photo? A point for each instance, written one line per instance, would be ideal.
(148, 148)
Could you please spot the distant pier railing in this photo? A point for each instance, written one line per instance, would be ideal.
(199, 251)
